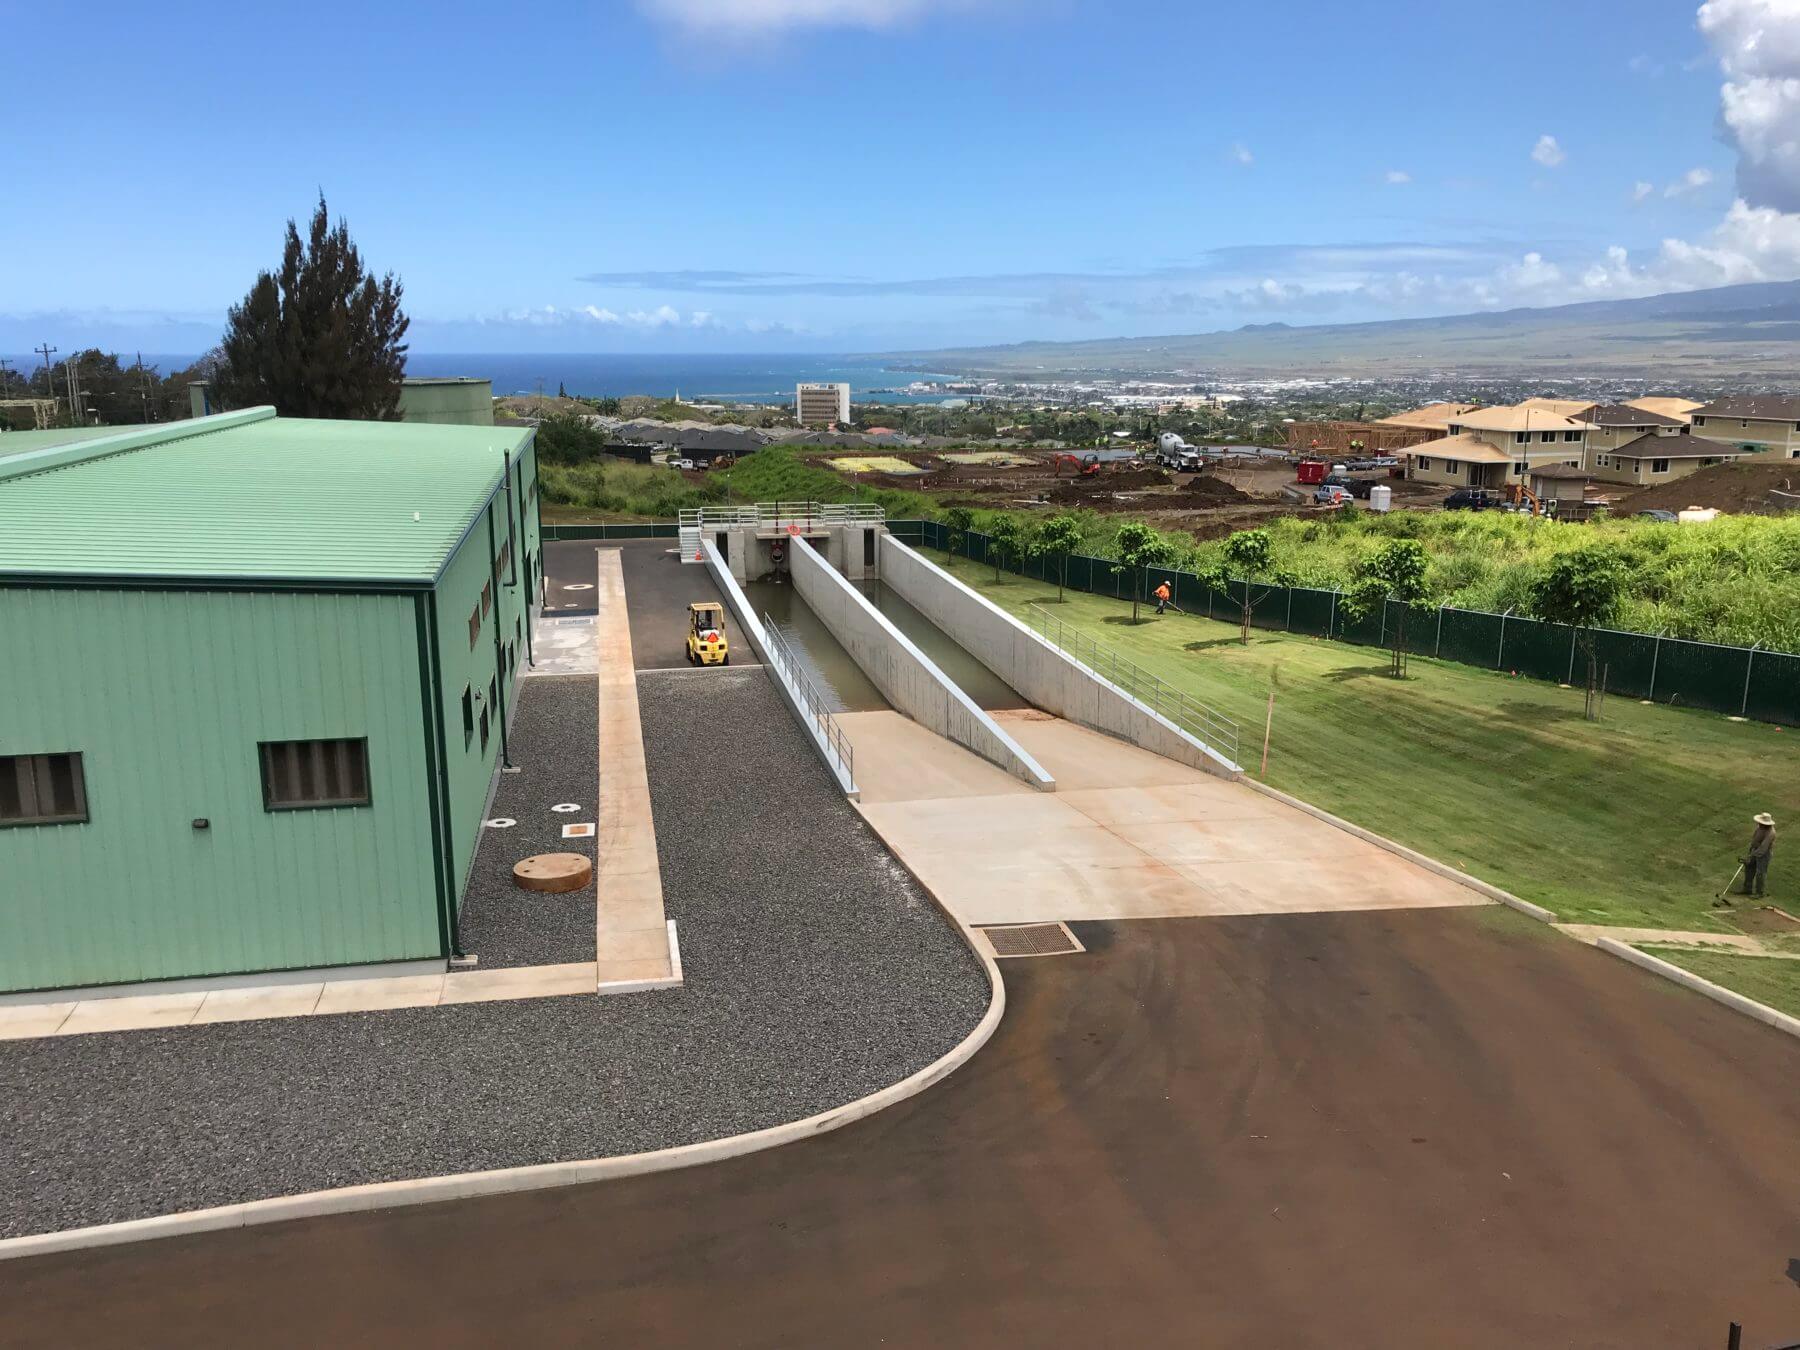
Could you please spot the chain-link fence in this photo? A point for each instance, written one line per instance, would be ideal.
(1750, 682)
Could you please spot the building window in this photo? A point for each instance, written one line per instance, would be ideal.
(1699, 421)
(1521, 437)
(1454, 429)
(494, 692)
(1745, 423)
(42, 789)
(487, 597)
(1424, 461)
(1572, 437)
(503, 564)
(474, 627)
(1522, 467)
(484, 730)
(468, 716)
(1547, 437)
(301, 774)
(1659, 466)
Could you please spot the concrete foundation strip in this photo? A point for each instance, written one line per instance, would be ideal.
(542, 1176)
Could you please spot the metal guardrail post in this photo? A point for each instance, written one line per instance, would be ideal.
(1749, 665)
(1500, 656)
(1655, 657)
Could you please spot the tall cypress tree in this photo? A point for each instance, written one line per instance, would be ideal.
(320, 337)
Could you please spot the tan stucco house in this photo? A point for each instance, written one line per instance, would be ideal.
(1761, 426)
(1658, 458)
(1498, 447)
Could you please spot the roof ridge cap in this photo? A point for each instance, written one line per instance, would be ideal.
(138, 438)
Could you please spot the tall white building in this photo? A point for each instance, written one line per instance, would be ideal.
(820, 405)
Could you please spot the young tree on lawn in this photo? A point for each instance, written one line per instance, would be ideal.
(1139, 548)
(1397, 572)
(1581, 588)
(1058, 538)
(1006, 542)
(958, 521)
(319, 337)
(1249, 557)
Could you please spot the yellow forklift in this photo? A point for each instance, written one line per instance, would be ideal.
(706, 645)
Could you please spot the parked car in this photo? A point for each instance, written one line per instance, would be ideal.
(1666, 517)
(1361, 487)
(1473, 499)
(1331, 494)
(684, 463)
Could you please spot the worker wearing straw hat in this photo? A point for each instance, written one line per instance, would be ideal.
(1756, 860)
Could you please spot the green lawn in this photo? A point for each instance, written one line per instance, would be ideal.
(1635, 820)
(1766, 979)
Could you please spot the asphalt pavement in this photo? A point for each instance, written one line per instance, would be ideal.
(1443, 1128)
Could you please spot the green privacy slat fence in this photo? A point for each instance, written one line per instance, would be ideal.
(633, 531)
(1744, 681)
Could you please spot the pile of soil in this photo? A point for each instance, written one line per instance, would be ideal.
(1741, 488)
(1203, 491)
(1129, 478)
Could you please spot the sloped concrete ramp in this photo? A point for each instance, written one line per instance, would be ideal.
(1129, 835)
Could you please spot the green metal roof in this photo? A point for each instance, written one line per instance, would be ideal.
(17, 442)
(249, 495)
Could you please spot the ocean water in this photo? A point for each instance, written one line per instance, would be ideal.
(729, 379)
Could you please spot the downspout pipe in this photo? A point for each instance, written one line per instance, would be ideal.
(500, 671)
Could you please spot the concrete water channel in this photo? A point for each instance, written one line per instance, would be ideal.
(838, 673)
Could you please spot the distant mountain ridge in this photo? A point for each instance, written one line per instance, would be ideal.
(1750, 330)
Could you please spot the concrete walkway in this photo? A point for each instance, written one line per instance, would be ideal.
(630, 926)
(1128, 834)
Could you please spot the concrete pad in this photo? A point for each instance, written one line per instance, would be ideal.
(1130, 835)
(25, 1020)
(404, 991)
(129, 1014)
(636, 944)
(623, 972)
(487, 986)
(245, 1005)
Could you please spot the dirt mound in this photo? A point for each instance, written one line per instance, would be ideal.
(1131, 478)
(1746, 489)
(1203, 491)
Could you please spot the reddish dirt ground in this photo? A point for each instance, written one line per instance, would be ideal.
(1403, 1129)
(1738, 488)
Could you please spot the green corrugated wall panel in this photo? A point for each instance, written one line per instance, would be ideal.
(471, 769)
(166, 695)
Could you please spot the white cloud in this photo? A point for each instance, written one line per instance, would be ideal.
(1641, 190)
(1547, 152)
(744, 17)
(1398, 177)
(1240, 154)
(1758, 46)
(1691, 181)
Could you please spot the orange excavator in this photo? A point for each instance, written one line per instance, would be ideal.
(1085, 465)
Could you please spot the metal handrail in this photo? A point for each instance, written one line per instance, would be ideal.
(789, 670)
(778, 514)
(1206, 724)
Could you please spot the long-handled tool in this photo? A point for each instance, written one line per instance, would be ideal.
(1728, 885)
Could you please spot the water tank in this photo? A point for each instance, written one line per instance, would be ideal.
(1381, 498)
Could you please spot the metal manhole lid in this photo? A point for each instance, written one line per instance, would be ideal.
(1031, 939)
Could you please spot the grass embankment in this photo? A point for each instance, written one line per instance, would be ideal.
(1635, 820)
(1735, 580)
(1766, 979)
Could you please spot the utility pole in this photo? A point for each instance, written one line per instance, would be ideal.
(5, 377)
(143, 385)
(47, 351)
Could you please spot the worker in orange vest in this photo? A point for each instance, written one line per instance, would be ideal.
(1162, 594)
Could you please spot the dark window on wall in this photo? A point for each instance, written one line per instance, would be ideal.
(503, 564)
(494, 692)
(297, 775)
(1659, 466)
(487, 598)
(868, 548)
(484, 730)
(1699, 421)
(474, 627)
(1571, 436)
(468, 715)
(1547, 437)
(42, 789)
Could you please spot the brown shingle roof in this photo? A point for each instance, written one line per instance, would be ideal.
(1626, 415)
(1764, 407)
(1684, 446)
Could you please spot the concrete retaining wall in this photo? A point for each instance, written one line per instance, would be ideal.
(908, 678)
(749, 623)
(1050, 679)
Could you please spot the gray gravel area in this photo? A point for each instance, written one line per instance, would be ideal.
(817, 973)
(554, 741)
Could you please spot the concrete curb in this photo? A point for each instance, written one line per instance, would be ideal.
(509, 1180)
(1475, 884)
(1688, 980)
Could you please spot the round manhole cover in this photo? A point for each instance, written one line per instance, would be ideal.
(500, 823)
(567, 808)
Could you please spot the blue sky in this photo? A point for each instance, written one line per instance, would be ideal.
(785, 175)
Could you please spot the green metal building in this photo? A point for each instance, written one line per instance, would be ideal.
(254, 677)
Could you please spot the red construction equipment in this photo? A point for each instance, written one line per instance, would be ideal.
(1085, 465)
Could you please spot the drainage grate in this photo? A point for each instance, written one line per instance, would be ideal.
(1032, 939)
